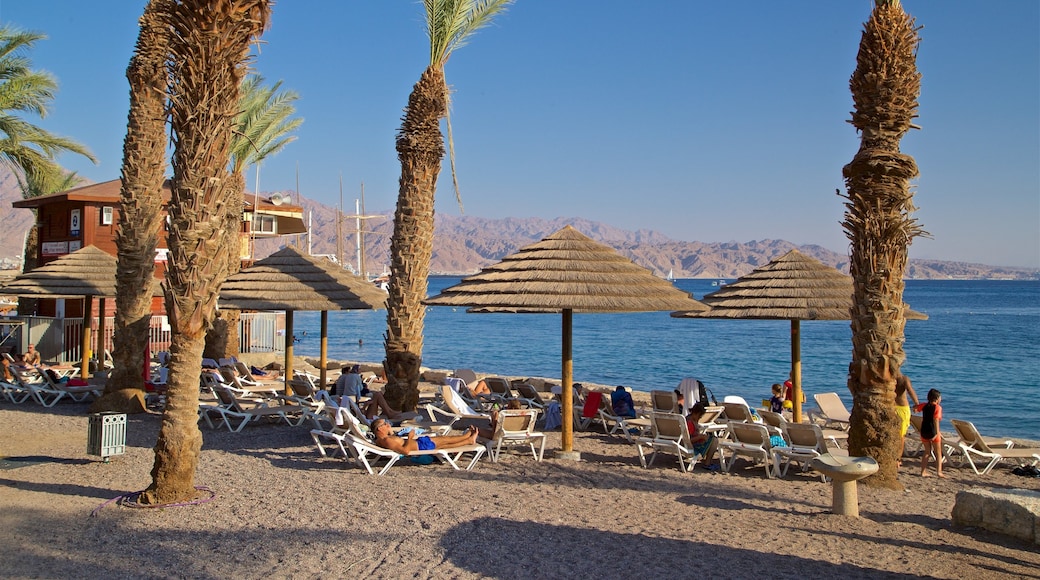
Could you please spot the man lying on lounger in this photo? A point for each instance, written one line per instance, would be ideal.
(385, 438)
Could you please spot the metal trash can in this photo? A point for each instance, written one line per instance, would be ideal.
(106, 434)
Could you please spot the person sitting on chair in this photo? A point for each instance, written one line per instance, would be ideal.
(386, 438)
(622, 403)
(350, 384)
(31, 357)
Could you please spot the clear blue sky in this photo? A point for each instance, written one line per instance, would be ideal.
(707, 121)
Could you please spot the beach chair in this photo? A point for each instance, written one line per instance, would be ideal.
(230, 408)
(749, 440)
(662, 401)
(455, 408)
(501, 389)
(832, 411)
(976, 448)
(78, 393)
(529, 396)
(15, 392)
(516, 427)
(805, 443)
(612, 424)
(669, 434)
(737, 412)
(40, 390)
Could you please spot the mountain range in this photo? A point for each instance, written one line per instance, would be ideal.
(465, 244)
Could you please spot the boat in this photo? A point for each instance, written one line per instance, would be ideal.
(718, 283)
(671, 275)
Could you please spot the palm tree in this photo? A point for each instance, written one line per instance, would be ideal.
(27, 149)
(420, 147)
(140, 210)
(209, 44)
(263, 128)
(885, 87)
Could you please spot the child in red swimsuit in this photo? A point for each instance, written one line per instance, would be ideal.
(931, 439)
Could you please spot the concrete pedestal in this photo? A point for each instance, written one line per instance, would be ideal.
(844, 473)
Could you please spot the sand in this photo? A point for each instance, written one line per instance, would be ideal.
(279, 510)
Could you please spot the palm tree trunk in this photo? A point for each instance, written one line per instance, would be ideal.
(420, 147)
(885, 88)
(140, 211)
(222, 338)
(209, 46)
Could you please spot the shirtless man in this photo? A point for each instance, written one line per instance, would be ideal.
(31, 357)
(385, 438)
(904, 388)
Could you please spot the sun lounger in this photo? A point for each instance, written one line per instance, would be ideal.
(516, 427)
(367, 455)
(662, 401)
(669, 434)
(15, 392)
(975, 447)
(806, 442)
(530, 396)
(832, 411)
(749, 440)
(501, 389)
(229, 407)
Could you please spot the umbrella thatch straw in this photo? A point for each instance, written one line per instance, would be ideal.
(791, 287)
(567, 270)
(289, 280)
(88, 271)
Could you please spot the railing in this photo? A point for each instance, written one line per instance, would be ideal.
(58, 339)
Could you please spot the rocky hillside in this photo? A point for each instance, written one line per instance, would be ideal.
(464, 244)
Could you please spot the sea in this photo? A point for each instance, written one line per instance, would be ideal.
(980, 347)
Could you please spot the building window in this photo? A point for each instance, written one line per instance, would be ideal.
(106, 215)
(265, 224)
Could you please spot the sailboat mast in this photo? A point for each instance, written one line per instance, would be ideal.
(339, 223)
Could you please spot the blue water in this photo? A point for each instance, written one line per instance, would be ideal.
(980, 347)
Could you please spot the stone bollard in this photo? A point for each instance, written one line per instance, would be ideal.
(844, 473)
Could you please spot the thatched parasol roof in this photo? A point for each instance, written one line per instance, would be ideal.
(289, 280)
(791, 287)
(567, 270)
(88, 271)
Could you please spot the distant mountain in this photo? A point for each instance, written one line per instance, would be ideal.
(465, 244)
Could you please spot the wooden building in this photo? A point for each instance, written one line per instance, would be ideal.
(70, 220)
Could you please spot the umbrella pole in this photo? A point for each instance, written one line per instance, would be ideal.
(289, 341)
(84, 341)
(567, 393)
(99, 350)
(796, 369)
(322, 372)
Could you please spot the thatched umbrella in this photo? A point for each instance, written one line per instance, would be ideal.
(86, 273)
(792, 287)
(566, 272)
(288, 280)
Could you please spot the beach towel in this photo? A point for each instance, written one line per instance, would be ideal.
(553, 416)
(591, 408)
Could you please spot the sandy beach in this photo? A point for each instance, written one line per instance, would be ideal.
(280, 510)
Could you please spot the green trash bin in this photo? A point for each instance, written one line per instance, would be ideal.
(106, 434)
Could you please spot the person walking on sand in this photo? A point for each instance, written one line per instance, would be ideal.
(385, 438)
(931, 439)
(904, 389)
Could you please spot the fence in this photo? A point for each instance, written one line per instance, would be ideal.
(58, 339)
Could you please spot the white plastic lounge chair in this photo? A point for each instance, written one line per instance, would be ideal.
(832, 411)
(750, 440)
(230, 408)
(15, 392)
(501, 389)
(367, 454)
(516, 427)
(669, 434)
(38, 387)
(612, 424)
(530, 396)
(975, 447)
(455, 407)
(664, 402)
(805, 443)
(737, 412)
(76, 393)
